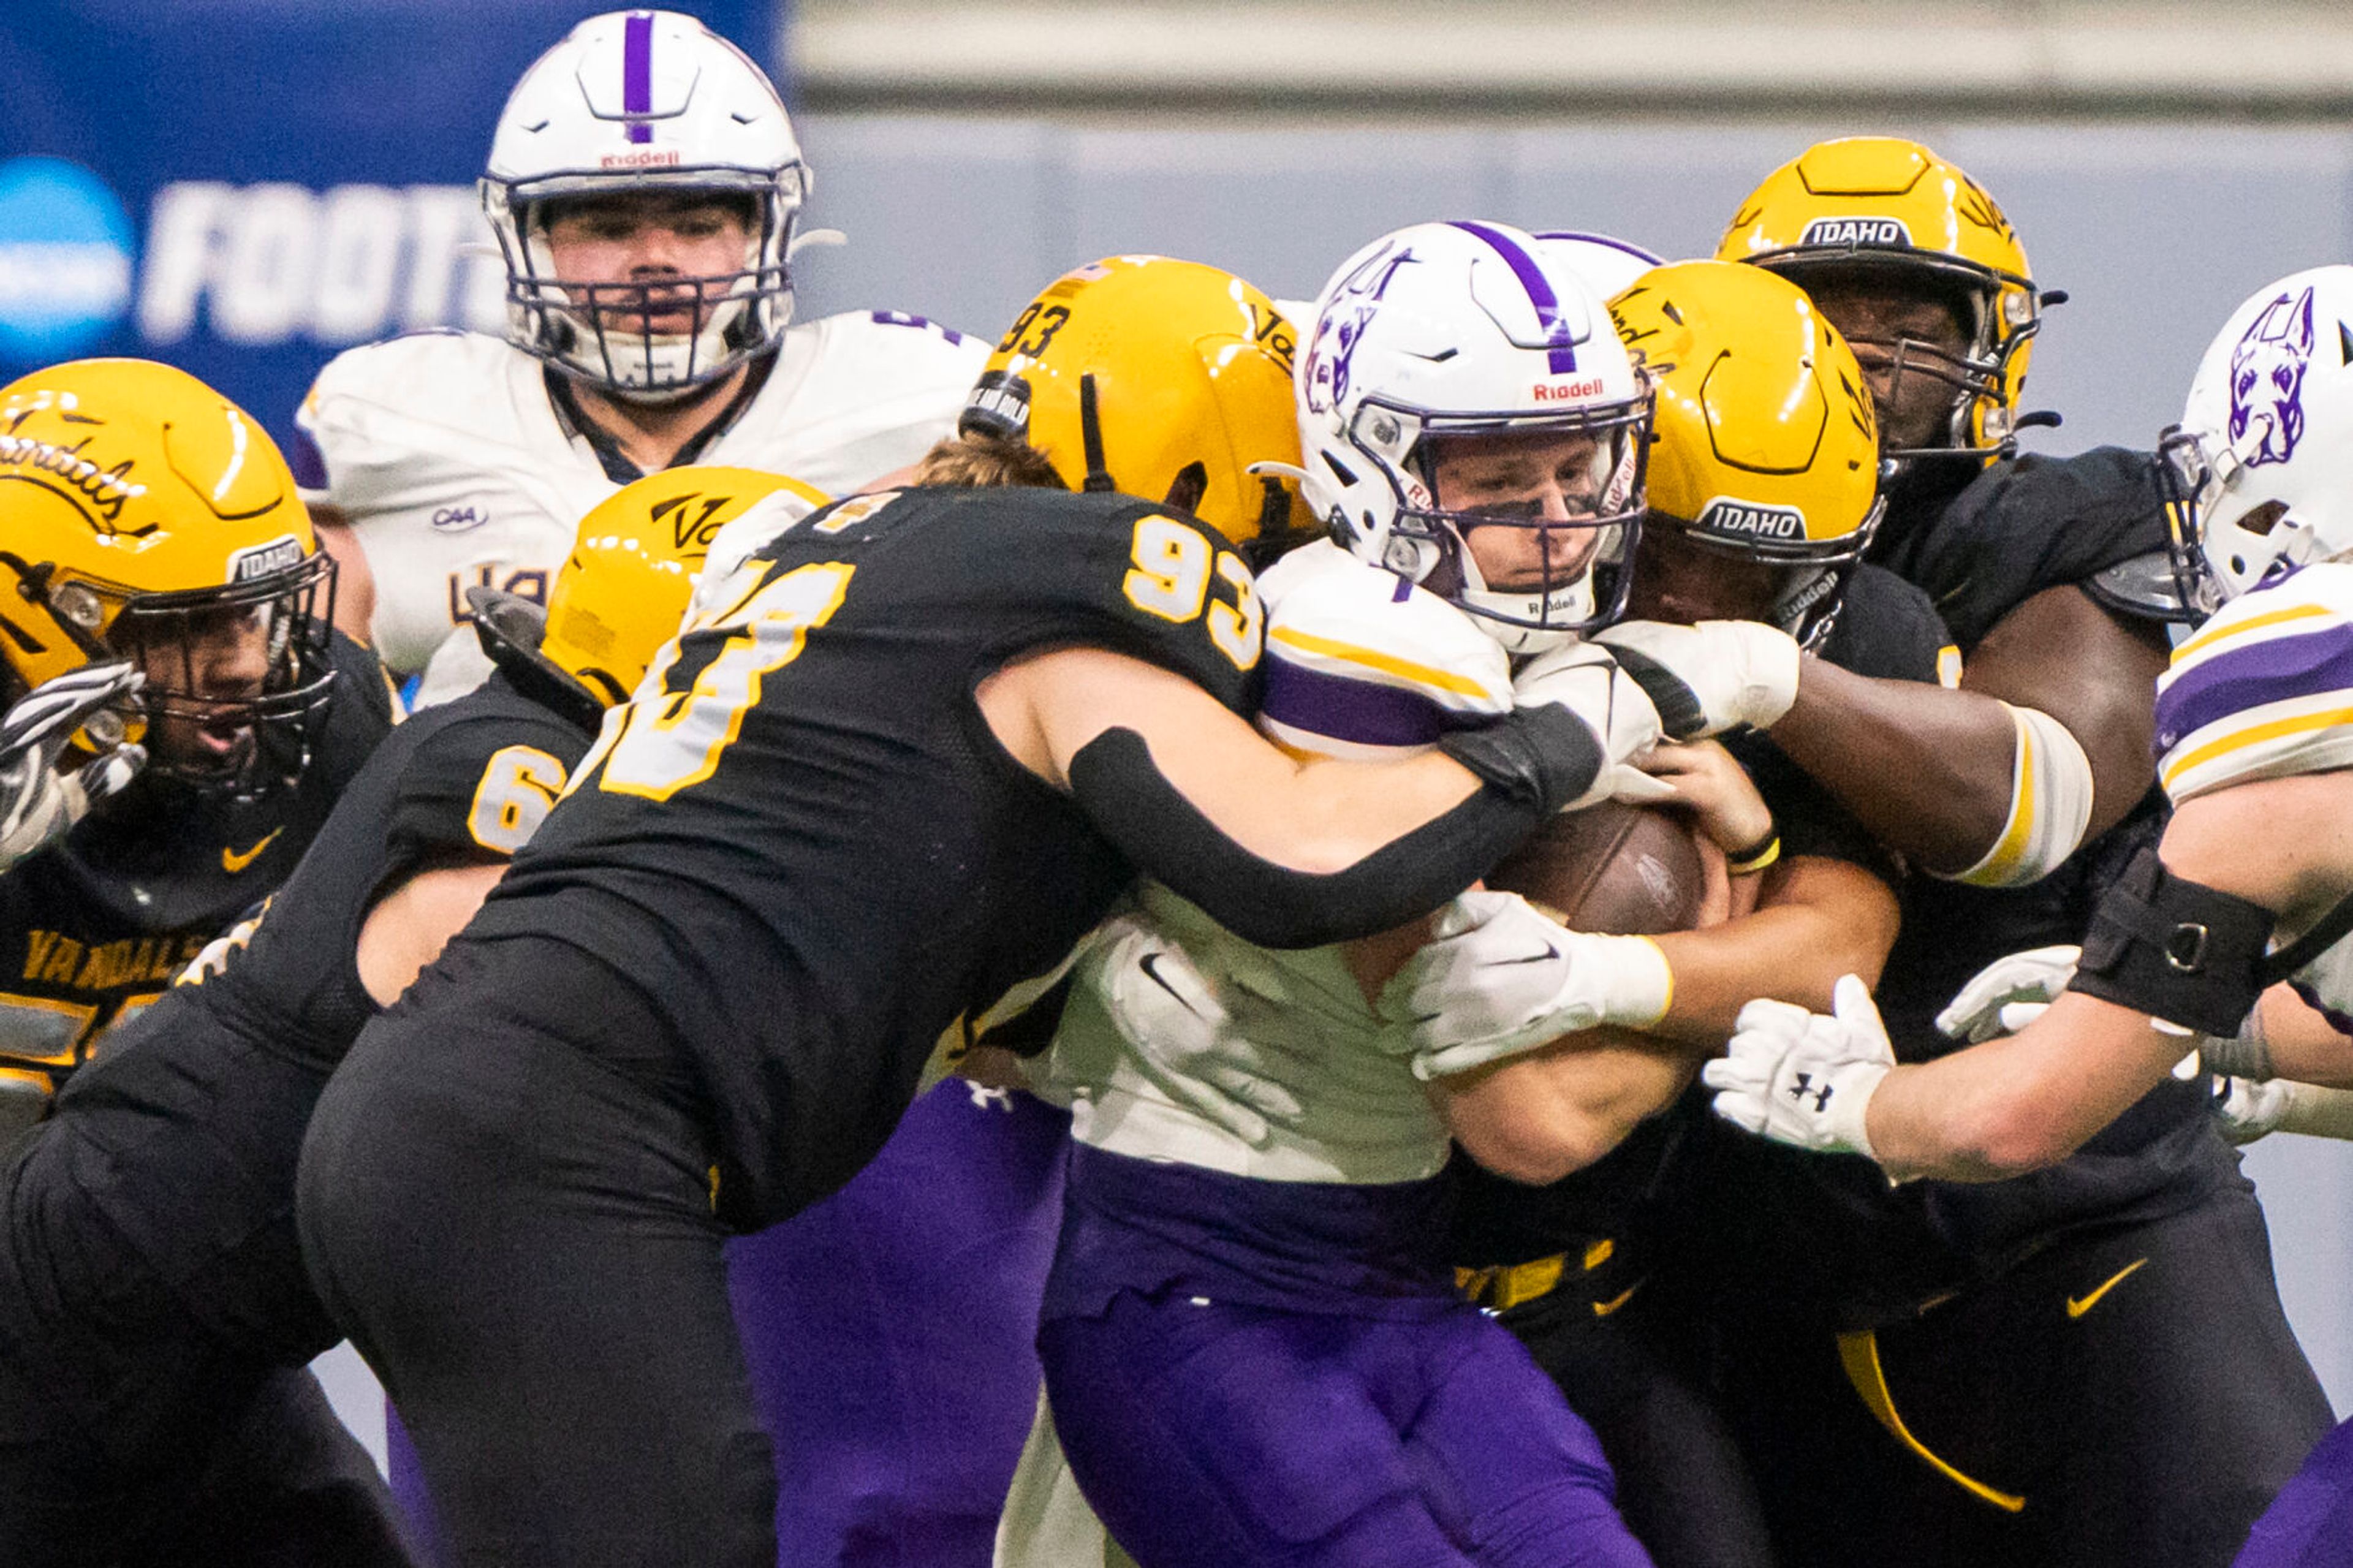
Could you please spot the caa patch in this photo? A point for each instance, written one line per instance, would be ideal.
(1858, 233)
(1725, 515)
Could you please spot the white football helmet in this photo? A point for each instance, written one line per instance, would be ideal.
(1608, 265)
(637, 101)
(1450, 329)
(2260, 470)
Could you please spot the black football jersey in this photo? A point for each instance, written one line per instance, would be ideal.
(801, 841)
(92, 929)
(2020, 526)
(183, 1132)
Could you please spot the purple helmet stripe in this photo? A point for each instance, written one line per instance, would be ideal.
(637, 72)
(1539, 289)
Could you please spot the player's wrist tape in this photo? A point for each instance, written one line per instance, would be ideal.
(1132, 802)
(2050, 805)
(2247, 1054)
(1755, 858)
(2178, 951)
(1542, 755)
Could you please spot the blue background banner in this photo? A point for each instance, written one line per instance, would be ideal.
(245, 187)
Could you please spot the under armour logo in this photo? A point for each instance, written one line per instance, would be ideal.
(984, 1097)
(1805, 1086)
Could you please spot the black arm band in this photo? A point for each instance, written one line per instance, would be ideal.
(1167, 838)
(1544, 755)
(2176, 950)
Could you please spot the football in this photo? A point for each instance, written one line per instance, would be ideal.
(1624, 871)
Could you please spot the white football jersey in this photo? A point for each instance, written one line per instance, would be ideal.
(2264, 691)
(1359, 664)
(454, 469)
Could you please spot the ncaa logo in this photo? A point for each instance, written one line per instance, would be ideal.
(1858, 233)
(1726, 515)
(64, 259)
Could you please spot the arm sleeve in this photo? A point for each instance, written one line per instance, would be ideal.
(1116, 781)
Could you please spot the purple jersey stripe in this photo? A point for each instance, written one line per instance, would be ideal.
(637, 71)
(1355, 710)
(1531, 279)
(2242, 677)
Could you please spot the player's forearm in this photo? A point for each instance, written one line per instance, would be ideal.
(1926, 770)
(1818, 919)
(1546, 1115)
(1281, 899)
(2021, 1103)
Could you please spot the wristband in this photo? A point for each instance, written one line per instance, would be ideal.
(1756, 856)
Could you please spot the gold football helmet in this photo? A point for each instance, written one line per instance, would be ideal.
(1765, 445)
(1878, 201)
(624, 589)
(145, 517)
(1157, 378)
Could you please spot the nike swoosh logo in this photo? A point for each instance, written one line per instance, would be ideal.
(1148, 964)
(233, 862)
(2079, 1305)
(1603, 1309)
(1547, 956)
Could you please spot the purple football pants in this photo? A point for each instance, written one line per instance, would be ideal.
(889, 1331)
(2310, 1523)
(1225, 1436)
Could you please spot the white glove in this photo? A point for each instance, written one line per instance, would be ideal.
(1181, 1037)
(1709, 678)
(1499, 978)
(38, 805)
(1587, 681)
(2245, 1110)
(2008, 993)
(1799, 1077)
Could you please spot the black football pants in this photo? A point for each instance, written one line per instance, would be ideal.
(520, 1240)
(132, 1436)
(2134, 1391)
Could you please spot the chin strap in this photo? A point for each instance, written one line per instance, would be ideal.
(1091, 434)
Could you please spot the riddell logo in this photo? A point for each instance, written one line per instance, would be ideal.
(1724, 515)
(1875, 232)
(635, 160)
(1560, 391)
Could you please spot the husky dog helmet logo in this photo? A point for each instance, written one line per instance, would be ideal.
(1343, 323)
(2267, 380)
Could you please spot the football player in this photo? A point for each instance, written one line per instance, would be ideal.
(163, 601)
(155, 1319)
(1506, 491)
(645, 190)
(1578, 1268)
(897, 765)
(2116, 1379)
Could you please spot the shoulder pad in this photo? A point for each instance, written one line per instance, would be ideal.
(1358, 656)
(2141, 587)
(2264, 690)
(417, 371)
